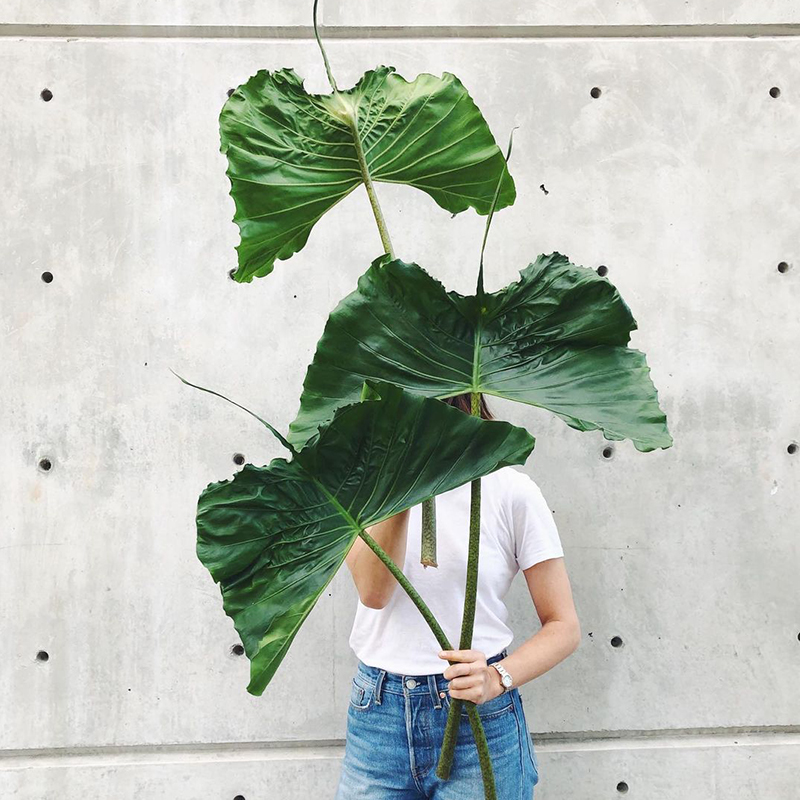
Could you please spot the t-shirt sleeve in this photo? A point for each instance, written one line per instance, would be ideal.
(534, 528)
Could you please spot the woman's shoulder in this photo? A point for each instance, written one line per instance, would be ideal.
(512, 483)
(512, 477)
(529, 518)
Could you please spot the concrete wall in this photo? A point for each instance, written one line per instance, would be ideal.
(683, 178)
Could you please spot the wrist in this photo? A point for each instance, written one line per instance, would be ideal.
(495, 681)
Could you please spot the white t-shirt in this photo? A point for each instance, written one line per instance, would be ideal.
(517, 531)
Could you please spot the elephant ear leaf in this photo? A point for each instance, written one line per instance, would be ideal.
(557, 338)
(292, 155)
(273, 537)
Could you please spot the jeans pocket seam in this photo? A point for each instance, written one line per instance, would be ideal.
(483, 715)
(357, 695)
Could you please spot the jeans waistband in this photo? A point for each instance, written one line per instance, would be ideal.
(384, 681)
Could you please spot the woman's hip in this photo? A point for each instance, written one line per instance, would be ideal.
(395, 727)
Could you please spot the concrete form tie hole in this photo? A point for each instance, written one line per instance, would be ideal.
(783, 267)
(616, 641)
(602, 270)
(608, 452)
(238, 459)
(239, 797)
(45, 464)
(622, 787)
(237, 650)
(774, 92)
(596, 92)
(46, 95)
(792, 448)
(47, 277)
(43, 656)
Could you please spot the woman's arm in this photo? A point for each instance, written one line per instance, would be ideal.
(559, 636)
(374, 582)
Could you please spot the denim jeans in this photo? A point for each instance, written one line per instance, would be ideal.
(395, 726)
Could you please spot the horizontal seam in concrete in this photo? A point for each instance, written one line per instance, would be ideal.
(753, 30)
(667, 733)
(334, 748)
(662, 739)
(167, 754)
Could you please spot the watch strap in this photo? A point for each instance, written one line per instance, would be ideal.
(503, 673)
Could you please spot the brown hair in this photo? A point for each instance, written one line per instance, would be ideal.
(464, 403)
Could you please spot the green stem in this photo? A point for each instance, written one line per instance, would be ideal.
(467, 625)
(408, 588)
(428, 544)
(471, 593)
(484, 756)
(490, 793)
(428, 540)
(362, 160)
(331, 79)
(479, 288)
(470, 598)
(367, 178)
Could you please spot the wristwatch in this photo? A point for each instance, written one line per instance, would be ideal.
(506, 681)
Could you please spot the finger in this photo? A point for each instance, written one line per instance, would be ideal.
(466, 682)
(470, 695)
(454, 670)
(462, 655)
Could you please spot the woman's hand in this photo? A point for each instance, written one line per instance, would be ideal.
(471, 678)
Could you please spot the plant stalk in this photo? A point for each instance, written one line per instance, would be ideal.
(428, 544)
(467, 625)
(331, 79)
(362, 160)
(408, 588)
(367, 178)
(428, 541)
(490, 792)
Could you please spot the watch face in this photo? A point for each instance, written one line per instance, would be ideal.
(507, 680)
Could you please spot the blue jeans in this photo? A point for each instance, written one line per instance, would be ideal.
(395, 726)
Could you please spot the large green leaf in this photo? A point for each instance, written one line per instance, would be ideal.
(557, 338)
(274, 536)
(292, 155)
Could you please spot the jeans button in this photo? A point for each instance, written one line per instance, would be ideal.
(411, 683)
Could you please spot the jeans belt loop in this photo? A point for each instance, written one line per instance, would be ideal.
(437, 701)
(379, 685)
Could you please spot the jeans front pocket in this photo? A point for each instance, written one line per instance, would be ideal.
(361, 693)
(501, 704)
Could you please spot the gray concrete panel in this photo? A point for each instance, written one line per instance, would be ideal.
(600, 13)
(681, 178)
(266, 13)
(291, 773)
(745, 766)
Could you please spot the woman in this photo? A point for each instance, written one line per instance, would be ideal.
(402, 688)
